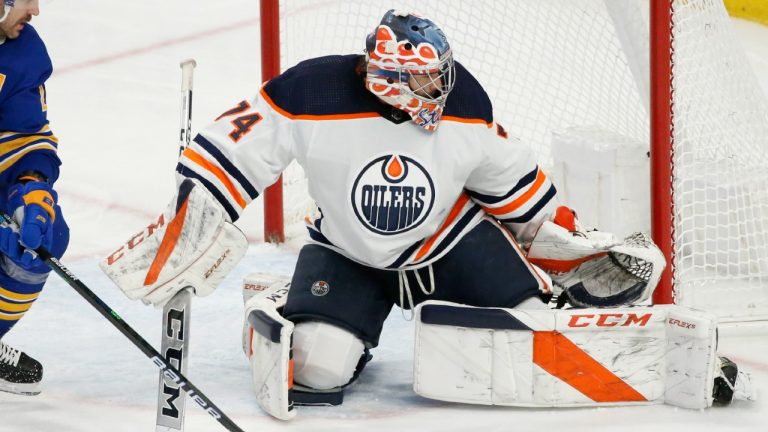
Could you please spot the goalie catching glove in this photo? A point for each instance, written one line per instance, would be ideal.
(592, 267)
(192, 244)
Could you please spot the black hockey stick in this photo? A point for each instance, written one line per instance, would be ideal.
(107, 312)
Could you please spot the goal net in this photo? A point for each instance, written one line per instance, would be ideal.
(551, 65)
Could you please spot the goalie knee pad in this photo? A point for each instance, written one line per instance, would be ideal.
(325, 356)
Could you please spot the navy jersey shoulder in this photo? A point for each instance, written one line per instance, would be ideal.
(24, 68)
(468, 99)
(322, 86)
(332, 85)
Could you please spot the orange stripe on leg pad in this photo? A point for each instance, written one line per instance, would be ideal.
(170, 239)
(290, 374)
(562, 358)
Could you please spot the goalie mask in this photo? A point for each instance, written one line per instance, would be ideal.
(410, 66)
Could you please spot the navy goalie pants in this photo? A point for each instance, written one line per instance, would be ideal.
(485, 268)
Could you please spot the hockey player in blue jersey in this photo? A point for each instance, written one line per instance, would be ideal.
(28, 168)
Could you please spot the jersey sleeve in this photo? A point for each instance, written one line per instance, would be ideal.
(241, 153)
(510, 186)
(26, 140)
(25, 152)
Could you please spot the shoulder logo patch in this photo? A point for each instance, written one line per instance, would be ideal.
(392, 194)
(320, 288)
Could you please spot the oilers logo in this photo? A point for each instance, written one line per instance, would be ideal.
(392, 194)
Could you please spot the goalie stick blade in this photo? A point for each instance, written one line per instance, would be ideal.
(174, 347)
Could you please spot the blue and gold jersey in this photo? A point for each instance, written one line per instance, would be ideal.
(26, 140)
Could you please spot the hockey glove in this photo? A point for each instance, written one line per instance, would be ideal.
(32, 204)
(594, 268)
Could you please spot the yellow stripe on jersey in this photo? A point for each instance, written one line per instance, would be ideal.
(23, 145)
(6, 134)
(11, 316)
(10, 295)
(14, 307)
(2, 81)
(42, 98)
(23, 140)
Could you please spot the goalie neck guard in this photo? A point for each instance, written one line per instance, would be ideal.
(410, 66)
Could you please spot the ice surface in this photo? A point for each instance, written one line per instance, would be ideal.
(114, 104)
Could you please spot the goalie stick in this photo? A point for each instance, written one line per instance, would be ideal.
(174, 345)
(107, 312)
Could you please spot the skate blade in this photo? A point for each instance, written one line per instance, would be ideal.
(20, 389)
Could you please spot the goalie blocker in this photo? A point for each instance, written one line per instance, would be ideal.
(192, 244)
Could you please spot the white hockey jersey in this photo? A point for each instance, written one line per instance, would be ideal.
(392, 195)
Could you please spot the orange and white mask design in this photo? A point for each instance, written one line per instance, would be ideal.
(412, 77)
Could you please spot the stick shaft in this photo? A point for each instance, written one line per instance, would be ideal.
(185, 130)
(174, 343)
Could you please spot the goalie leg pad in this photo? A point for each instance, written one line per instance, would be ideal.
(269, 353)
(564, 358)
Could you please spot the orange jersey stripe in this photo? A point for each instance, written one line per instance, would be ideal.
(285, 113)
(167, 245)
(466, 120)
(521, 200)
(562, 358)
(221, 175)
(451, 217)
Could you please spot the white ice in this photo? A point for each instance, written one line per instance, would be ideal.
(114, 103)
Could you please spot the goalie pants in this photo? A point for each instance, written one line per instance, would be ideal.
(485, 268)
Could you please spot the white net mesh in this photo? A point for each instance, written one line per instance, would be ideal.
(553, 64)
(720, 167)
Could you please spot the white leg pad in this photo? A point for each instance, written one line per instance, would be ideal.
(325, 356)
(268, 347)
(565, 358)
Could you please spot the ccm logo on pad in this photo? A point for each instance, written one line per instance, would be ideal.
(137, 239)
(609, 320)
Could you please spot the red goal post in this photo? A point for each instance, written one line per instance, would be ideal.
(274, 227)
(661, 140)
